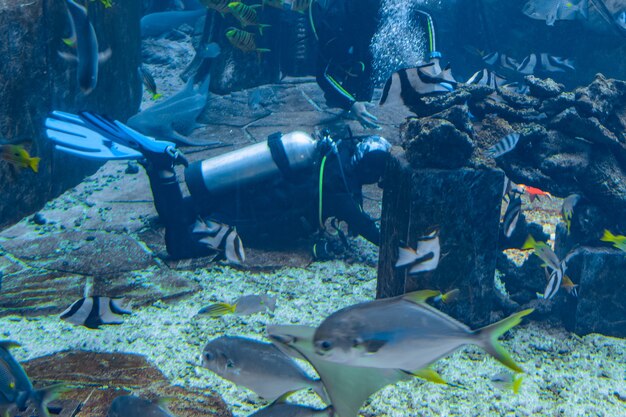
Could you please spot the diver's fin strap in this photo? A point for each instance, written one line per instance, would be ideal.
(279, 155)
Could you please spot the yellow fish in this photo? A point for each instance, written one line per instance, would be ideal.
(246, 15)
(219, 5)
(17, 156)
(619, 241)
(106, 3)
(244, 41)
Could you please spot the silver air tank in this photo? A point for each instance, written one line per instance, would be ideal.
(251, 164)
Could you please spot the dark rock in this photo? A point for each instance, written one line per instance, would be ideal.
(543, 88)
(519, 101)
(604, 184)
(429, 105)
(39, 219)
(558, 104)
(599, 308)
(465, 203)
(600, 97)
(513, 114)
(31, 66)
(132, 168)
(522, 282)
(590, 128)
(520, 234)
(435, 143)
(96, 379)
(459, 116)
(547, 159)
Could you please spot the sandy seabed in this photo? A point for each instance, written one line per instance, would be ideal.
(566, 375)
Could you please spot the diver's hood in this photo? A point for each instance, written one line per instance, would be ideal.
(370, 158)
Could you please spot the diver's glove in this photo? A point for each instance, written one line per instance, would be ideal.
(367, 120)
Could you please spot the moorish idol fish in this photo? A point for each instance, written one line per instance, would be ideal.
(543, 62)
(425, 257)
(94, 311)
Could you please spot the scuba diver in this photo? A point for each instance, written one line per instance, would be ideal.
(344, 30)
(271, 192)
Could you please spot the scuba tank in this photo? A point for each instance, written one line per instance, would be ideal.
(279, 155)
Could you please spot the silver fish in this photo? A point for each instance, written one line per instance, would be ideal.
(511, 216)
(507, 381)
(16, 390)
(95, 311)
(404, 333)
(425, 257)
(553, 10)
(131, 406)
(245, 305)
(87, 55)
(348, 387)
(175, 116)
(258, 366)
(504, 145)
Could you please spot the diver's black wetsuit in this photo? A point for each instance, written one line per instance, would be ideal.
(344, 66)
(275, 212)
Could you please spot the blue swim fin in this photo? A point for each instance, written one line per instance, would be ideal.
(95, 137)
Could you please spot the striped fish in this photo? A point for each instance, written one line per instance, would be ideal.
(221, 237)
(511, 216)
(246, 15)
(425, 257)
(555, 279)
(487, 78)
(506, 144)
(94, 311)
(218, 5)
(545, 63)
(243, 40)
(406, 86)
(148, 82)
(498, 60)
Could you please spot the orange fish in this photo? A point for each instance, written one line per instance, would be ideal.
(534, 192)
(17, 156)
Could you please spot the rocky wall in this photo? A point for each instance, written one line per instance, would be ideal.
(569, 142)
(34, 80)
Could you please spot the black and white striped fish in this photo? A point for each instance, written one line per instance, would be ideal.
(506, 144)
(487, 78)
(95, 311)
(221, 237)
(544, 63)
(557, 279)
(498, 60)
(511, 216)
(406, 86)
(425, 257)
